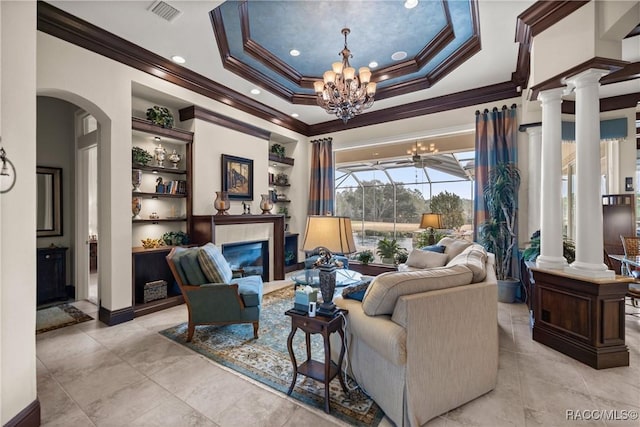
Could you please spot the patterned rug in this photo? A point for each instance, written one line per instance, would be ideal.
(59, 316)
(267, 359)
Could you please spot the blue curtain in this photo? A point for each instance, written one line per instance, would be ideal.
(321, 187)
(496, 136)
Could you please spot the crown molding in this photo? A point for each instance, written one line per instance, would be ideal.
(537, 18)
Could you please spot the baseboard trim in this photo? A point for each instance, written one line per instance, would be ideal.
(115, 317)
(28, 417)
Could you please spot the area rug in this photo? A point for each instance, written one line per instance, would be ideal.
(267, 360)
(59, 316)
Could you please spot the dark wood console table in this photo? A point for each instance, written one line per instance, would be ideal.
(581, 317)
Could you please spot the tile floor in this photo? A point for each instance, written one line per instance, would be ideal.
(129, 375)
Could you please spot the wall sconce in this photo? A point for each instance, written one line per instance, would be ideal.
(7, 173)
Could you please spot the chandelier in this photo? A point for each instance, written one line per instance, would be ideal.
(342, 92)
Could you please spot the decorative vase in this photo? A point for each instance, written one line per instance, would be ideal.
(175, 159)
(136, 206)
(221, 203)
(266, 204)
(136, 179)
(161, 154)
(327, 279)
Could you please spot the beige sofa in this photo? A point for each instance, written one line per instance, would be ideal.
(423, 342)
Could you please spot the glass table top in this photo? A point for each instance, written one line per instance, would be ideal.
(310, 277)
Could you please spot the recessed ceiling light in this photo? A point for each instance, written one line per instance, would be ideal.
(296, 115)
(410, 4)
(178, 59)
(294, 52)
(255, 91)
(373, 64)
(397, 56)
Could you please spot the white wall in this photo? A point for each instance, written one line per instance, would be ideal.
(17, 208)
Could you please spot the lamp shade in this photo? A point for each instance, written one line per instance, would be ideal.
(331, 232)
(431, 220)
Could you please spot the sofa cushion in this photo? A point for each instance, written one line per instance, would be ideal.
(474, 258)
(385, 289)
(191, 267)
(434, 248)
(214, 266)
(453, 247)
(250, 289)
(426, 259)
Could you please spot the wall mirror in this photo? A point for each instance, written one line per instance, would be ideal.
(49, 193)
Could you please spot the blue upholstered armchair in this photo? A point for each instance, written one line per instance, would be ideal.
(313, 255)
(212, 295)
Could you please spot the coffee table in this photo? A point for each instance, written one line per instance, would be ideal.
(344, 277)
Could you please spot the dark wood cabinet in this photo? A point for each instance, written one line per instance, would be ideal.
(52, 274)
(149, 265)
(93, 256)
(291, 250)
(581, 317)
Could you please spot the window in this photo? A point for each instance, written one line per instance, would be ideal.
(387, 198)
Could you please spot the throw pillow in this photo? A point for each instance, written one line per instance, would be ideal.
(453, 246)
(191, 268)
(474, 258)
(426, 259)
(356, 292)
(213, 264)
(434, 248)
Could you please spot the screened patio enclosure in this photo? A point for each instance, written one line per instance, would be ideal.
(386, 198)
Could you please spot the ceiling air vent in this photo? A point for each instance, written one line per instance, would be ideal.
(164, 10)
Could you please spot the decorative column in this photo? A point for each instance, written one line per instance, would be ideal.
(535, 168)
(551, 182)
(589, 238)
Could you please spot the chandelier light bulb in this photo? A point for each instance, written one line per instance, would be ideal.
(329, 77)
(337, 67)
(349, 73)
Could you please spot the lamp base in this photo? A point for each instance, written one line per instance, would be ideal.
(327, 309)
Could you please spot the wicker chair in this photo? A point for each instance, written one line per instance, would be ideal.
(631, 246)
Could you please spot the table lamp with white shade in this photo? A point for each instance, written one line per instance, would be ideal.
(330, 234)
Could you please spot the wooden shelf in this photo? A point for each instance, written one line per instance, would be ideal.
(279, 185)
(158, 195)
(145, 125)
(282, 201)
(282, 160)
(159, 220)
(159, 170)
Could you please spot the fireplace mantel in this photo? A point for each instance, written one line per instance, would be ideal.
(203, 230)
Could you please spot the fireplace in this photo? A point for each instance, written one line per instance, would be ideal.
(251, 257)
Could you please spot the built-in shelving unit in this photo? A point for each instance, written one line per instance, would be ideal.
(172, 206)
(278, 188)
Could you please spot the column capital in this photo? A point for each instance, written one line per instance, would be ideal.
(588, 77)
(550, 95)
(534, 131)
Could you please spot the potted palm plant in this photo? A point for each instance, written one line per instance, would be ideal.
(387, 250)
(498, 233)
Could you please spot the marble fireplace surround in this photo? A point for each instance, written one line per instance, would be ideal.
(222, 229)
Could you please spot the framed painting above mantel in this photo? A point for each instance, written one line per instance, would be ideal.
(237, 177)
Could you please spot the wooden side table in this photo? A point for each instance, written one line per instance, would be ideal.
(319, 371)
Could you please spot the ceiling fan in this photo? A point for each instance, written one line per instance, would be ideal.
(422, 155)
